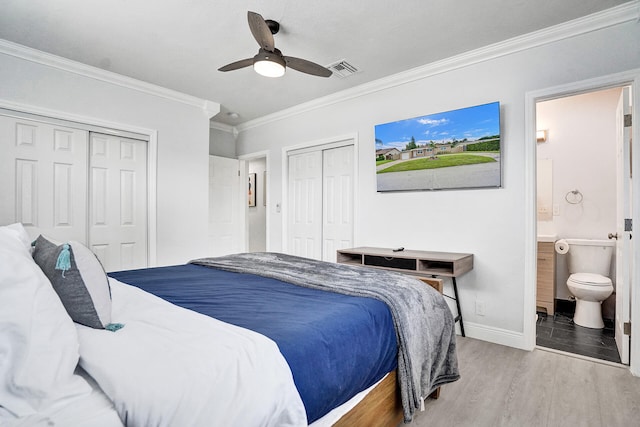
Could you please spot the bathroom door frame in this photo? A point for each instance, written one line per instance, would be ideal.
(627, 78)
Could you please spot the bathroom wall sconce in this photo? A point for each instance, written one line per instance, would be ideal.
(541, 136)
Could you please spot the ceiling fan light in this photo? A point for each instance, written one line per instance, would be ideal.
(269, 68)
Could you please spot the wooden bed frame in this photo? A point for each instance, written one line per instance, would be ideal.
(383, 406)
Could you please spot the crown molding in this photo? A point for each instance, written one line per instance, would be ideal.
(221, 126)
(210, 108)
(224, 128)
(614, 16)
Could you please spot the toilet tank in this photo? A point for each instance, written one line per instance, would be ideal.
(590, 256)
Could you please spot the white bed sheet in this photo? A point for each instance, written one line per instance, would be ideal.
(170, 366)
(96, 410)
(93, 409)
(335, 414)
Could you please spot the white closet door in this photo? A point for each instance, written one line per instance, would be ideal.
(337, 201)
(118, 201)
(305, 205)
(321, 202)
(43, 170)
(225, 219)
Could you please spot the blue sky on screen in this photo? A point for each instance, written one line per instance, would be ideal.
(471, 123)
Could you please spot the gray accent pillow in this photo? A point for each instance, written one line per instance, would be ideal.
(79, 280)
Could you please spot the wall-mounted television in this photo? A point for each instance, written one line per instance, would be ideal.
(451, 150)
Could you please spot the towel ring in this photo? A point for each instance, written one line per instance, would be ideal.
(573, 197)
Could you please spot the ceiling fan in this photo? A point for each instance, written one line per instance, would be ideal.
(269, 61)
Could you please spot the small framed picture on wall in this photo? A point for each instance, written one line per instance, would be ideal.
(252, 189)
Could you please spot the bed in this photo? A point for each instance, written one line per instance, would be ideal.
(265, 319)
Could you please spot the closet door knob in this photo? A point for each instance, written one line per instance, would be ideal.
(613, 236)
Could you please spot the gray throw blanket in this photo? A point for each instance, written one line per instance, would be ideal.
(423, 322)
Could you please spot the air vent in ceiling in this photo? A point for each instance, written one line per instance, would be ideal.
(342, 68)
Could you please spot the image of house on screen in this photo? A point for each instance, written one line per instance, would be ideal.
(450, 150)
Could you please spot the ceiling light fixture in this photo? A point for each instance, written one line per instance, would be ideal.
(269, 64)
(269, 61)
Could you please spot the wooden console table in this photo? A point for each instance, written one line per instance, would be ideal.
(421, 264)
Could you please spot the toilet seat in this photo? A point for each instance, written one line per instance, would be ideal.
(590, 279)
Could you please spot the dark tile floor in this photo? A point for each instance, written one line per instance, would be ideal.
(560, 333)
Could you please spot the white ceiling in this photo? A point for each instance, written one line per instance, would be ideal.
(180, 44)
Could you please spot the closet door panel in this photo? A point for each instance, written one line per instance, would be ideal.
(305, 204)
(118, 201)
(337, 203)
(43, 184)
(99, 196)
(62, 190)
(321, 202)
(225, 223)
(26, 192)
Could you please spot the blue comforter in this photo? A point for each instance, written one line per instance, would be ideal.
(336, 345)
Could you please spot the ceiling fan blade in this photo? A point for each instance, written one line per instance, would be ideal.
(261, 31)
(308, 67)
(237, 65)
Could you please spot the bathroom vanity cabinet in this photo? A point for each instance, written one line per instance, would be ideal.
(546, 289)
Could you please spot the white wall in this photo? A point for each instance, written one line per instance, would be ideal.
(582, 145)
(222, 143)
(182, 141)
(490, 223)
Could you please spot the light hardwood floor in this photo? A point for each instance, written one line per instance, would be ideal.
(503, 386)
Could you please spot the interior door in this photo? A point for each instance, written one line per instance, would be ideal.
(624, 242)
(337, 201)
(43, 169)
(225, 220)
(305, 204)
(118, 201)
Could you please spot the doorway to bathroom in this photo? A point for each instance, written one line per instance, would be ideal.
(257, 204)
(583, 191)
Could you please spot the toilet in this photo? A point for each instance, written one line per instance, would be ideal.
(589, 263)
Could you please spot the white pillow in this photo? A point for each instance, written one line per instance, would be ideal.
(19, 233)
(38, 340)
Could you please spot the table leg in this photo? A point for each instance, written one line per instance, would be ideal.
(459, 316)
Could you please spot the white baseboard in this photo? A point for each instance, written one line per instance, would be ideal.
(495, 335)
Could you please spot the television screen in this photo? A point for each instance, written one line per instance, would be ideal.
(454, 149)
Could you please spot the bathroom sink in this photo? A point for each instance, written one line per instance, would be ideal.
(547, 237)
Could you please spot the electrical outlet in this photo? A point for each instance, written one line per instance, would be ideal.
(556, 210)
(480, 308)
